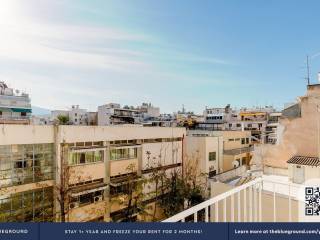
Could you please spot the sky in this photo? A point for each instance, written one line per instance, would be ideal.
(169, 52)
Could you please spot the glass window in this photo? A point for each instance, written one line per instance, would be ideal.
(20, 164)
(123, 153)
(212, 156)
(35, 205)
(76, 158)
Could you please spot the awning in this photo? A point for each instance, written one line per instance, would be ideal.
(305, 160)
(76, 194)
(24, 110)
(252, 113)
(5, 109)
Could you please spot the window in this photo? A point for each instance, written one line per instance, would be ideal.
(238, 125)
(231, 139)
(22, 164)
(82, 158)
(76, 158)
(87, 198)
(123, 153)
(212, 156)
(36, 206)
(23, 114)
(120, 189)
(237, 139)
(247, 140)
(243, 141)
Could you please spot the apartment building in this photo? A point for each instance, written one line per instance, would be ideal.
(206, 149)
(164, 120)
(216, 118)
(299, 137)
(272, 127)
(114, 114)
(80, 173)
(147, 110)
(237, 149)
(262, 122)
(15, 106)
(75, 115)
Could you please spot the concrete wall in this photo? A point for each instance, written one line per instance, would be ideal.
(199, 148)
(87, 172)
(299, 136)
(25, 187)
(119, 167)
(165, 153)
(26, 134)
(310, 172)
(111, 133)
(235, 135)
(86, 213)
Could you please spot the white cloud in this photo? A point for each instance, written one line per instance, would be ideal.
(68, 63)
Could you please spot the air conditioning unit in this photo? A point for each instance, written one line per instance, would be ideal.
(73, 205)
(98, 199)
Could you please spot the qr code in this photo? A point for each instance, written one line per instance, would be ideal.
(312, 201)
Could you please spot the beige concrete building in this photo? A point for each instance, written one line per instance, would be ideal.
(298, 134)
(237, 150)
(73, 173)
(207, 150)
(236, 147)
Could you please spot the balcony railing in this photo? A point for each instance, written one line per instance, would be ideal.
(255, 201)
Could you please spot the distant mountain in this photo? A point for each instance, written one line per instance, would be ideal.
(38, 111)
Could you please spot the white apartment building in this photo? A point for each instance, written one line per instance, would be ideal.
(15, 106)
(77, 116)
(149, 111)
(114, 114)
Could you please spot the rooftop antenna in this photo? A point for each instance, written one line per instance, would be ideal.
(308, 71)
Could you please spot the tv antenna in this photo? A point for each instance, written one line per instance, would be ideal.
(308, 71)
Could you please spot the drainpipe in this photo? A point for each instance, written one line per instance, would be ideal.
(182, 155)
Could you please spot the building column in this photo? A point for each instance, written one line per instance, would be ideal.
(107, 200)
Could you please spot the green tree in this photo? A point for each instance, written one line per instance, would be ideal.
(63, 119)
(131, 198)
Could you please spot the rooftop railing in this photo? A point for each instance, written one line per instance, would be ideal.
(255, 201)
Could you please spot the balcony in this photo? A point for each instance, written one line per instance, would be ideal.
(260, 200)
(14, 120)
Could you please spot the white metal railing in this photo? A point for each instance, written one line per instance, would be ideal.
(243, 204)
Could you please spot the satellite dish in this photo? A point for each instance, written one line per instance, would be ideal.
(235, 164)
